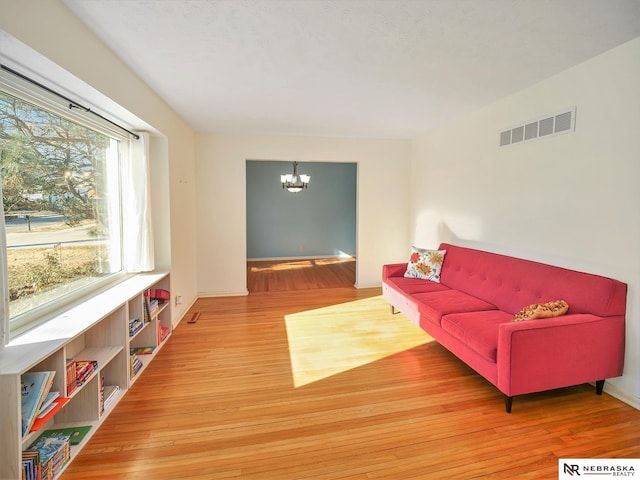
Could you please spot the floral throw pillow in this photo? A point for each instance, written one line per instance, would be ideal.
(425, 264)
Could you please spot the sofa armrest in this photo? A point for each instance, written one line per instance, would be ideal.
(538, 355)
(393, 270)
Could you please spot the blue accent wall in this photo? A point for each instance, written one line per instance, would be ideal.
(318, 221)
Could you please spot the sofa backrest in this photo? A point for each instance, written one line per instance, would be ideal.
(512, 283)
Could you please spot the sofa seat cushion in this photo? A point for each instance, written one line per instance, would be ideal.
(433, 305)
(411, 286)
(477, 330)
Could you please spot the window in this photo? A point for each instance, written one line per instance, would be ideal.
(62, 205)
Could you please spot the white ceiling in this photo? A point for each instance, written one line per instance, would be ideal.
(349, 68)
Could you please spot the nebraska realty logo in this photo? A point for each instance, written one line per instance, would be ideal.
(598, 467)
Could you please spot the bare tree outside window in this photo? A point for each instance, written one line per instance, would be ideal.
(60, 200)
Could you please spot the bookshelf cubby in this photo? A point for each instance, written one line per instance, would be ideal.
(147, 336)
(95, 330)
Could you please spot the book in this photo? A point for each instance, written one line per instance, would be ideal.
(51, 396)
(110, 391)
(71, 376)
(110, 395)
(164, 333)
(135, 365)
(135, 326)
(84, 370)
(101, 396)
(154, 307)
(41, 420)
(146, 308)
(31, 465)
(34, 388)
(55, 452)
(75, 434)
(159, 294)
(142, 350)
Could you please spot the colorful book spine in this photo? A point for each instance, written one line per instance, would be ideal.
(31, 465)
(84, 370)
(153, 307)
(71, 377)
(164, 333)
(78, 372)
(146, 308)
(135, 326)
(101, 395)
(135, 365)
(54, 451)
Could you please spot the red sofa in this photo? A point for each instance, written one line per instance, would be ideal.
(471, 310)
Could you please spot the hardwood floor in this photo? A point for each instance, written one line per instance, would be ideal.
(224, 400)
(301, 274)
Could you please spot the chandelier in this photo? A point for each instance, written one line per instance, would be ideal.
(294, 182)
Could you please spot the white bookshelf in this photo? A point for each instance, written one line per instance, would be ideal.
(148, 336)
(97, 329)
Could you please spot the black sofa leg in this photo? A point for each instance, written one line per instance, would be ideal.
(508, 401)
(599, 387)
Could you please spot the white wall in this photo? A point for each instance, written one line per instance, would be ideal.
(51, 30)
(570, 200)
(382, 203)
(318, 222)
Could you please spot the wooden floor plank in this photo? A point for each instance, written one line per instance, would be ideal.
(219, 401)
(300, 274)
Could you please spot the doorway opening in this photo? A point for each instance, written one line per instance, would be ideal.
(303, 240)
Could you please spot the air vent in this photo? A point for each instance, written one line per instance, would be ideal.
(563, 122)
(546, 126)
(505, 138)
(531, 131)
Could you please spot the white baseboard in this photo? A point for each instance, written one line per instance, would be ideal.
(621, 395)
(186, 310)
(223, 294)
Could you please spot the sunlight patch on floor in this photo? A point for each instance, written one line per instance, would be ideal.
(282, 266)
(330, 340)
(269, 266)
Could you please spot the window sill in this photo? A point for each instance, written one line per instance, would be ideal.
(27, 349)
